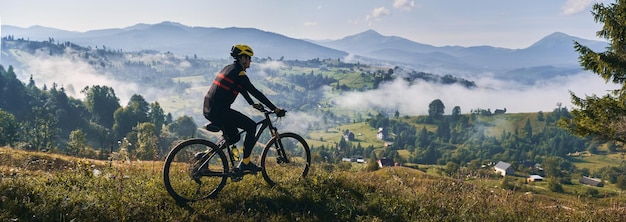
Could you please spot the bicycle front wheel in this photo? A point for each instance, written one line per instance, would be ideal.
(195, 169)
(285, 159)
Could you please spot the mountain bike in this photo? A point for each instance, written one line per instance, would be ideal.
(197, 168)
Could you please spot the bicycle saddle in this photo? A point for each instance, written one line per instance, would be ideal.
(212, 127)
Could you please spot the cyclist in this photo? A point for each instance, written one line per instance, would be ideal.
(229, 83)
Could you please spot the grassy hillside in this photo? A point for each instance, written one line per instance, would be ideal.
(510, 122)
(364, 134)
(47, 187)
(494, 125)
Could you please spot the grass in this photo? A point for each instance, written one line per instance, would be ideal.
(47, 187)
(595, 162)
(364, 134)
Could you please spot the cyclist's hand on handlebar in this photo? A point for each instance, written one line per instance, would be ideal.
(280, 112)
(258, 106)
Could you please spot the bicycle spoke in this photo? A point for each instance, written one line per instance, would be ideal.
(286, 159)
(195, 170)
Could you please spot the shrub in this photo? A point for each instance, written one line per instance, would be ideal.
(555, 186)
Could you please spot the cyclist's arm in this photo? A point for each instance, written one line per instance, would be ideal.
(247, 97)
(247, 85)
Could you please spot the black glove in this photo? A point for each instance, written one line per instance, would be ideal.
(280, 112)
(258, 106)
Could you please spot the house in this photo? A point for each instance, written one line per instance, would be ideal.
(382, 133)
(591, 181)
(384, 162)
(500, 111)
(534, 178)
(504, 168)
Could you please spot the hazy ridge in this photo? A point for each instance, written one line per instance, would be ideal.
(554, 51)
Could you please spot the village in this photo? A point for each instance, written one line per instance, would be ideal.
(533, 172)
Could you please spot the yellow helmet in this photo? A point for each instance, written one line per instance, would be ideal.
(241, 49)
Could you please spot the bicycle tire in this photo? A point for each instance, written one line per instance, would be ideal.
(181, 172)
(275, 171)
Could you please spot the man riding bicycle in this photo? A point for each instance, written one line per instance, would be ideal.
(228, 83)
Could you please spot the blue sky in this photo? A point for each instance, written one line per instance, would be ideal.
(509, 24)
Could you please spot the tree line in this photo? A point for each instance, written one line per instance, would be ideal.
(48, 120)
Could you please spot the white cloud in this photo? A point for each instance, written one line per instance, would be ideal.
(403, 4)
(413, 99)
(271, 65)
(310, 24)
(572, 7)
(300, 122)
(377, 14)
(75, 74)
(263, 69)
(350, 58)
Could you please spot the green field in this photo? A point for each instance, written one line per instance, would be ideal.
(595, 162)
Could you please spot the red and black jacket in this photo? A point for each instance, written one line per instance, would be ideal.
(228, 83)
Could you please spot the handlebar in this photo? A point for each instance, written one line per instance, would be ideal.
(262, 109)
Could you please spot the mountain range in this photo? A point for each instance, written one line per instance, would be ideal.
(551, 56)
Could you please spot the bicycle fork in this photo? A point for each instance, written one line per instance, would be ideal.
(280, 150)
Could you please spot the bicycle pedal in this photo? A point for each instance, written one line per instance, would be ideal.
(237, 172)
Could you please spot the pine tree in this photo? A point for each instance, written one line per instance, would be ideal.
(603, 117)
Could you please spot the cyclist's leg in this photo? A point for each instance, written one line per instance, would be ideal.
(244, 122)
(224, 119)
(231, 120)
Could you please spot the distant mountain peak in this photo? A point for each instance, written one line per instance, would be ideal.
(369, 34)
(142, 26)
(556, 38)
(169, 23)
(557, 34)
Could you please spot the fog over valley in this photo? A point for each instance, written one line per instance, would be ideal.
(413, 99)
(407, 98)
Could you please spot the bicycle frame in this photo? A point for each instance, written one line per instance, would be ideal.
(266, 123)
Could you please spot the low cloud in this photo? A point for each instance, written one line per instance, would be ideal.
(377, 14)
(299, 122)
(351, 58)
(407, 98)
(413, 99)
(147, 58)
(268, 67)
(273, 65)
(572, 7)
(405, 5)
(75, 74)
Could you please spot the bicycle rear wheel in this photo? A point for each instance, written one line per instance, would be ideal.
(289, 166)
(195, 169)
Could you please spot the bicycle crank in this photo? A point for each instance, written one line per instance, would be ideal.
(236, 175)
